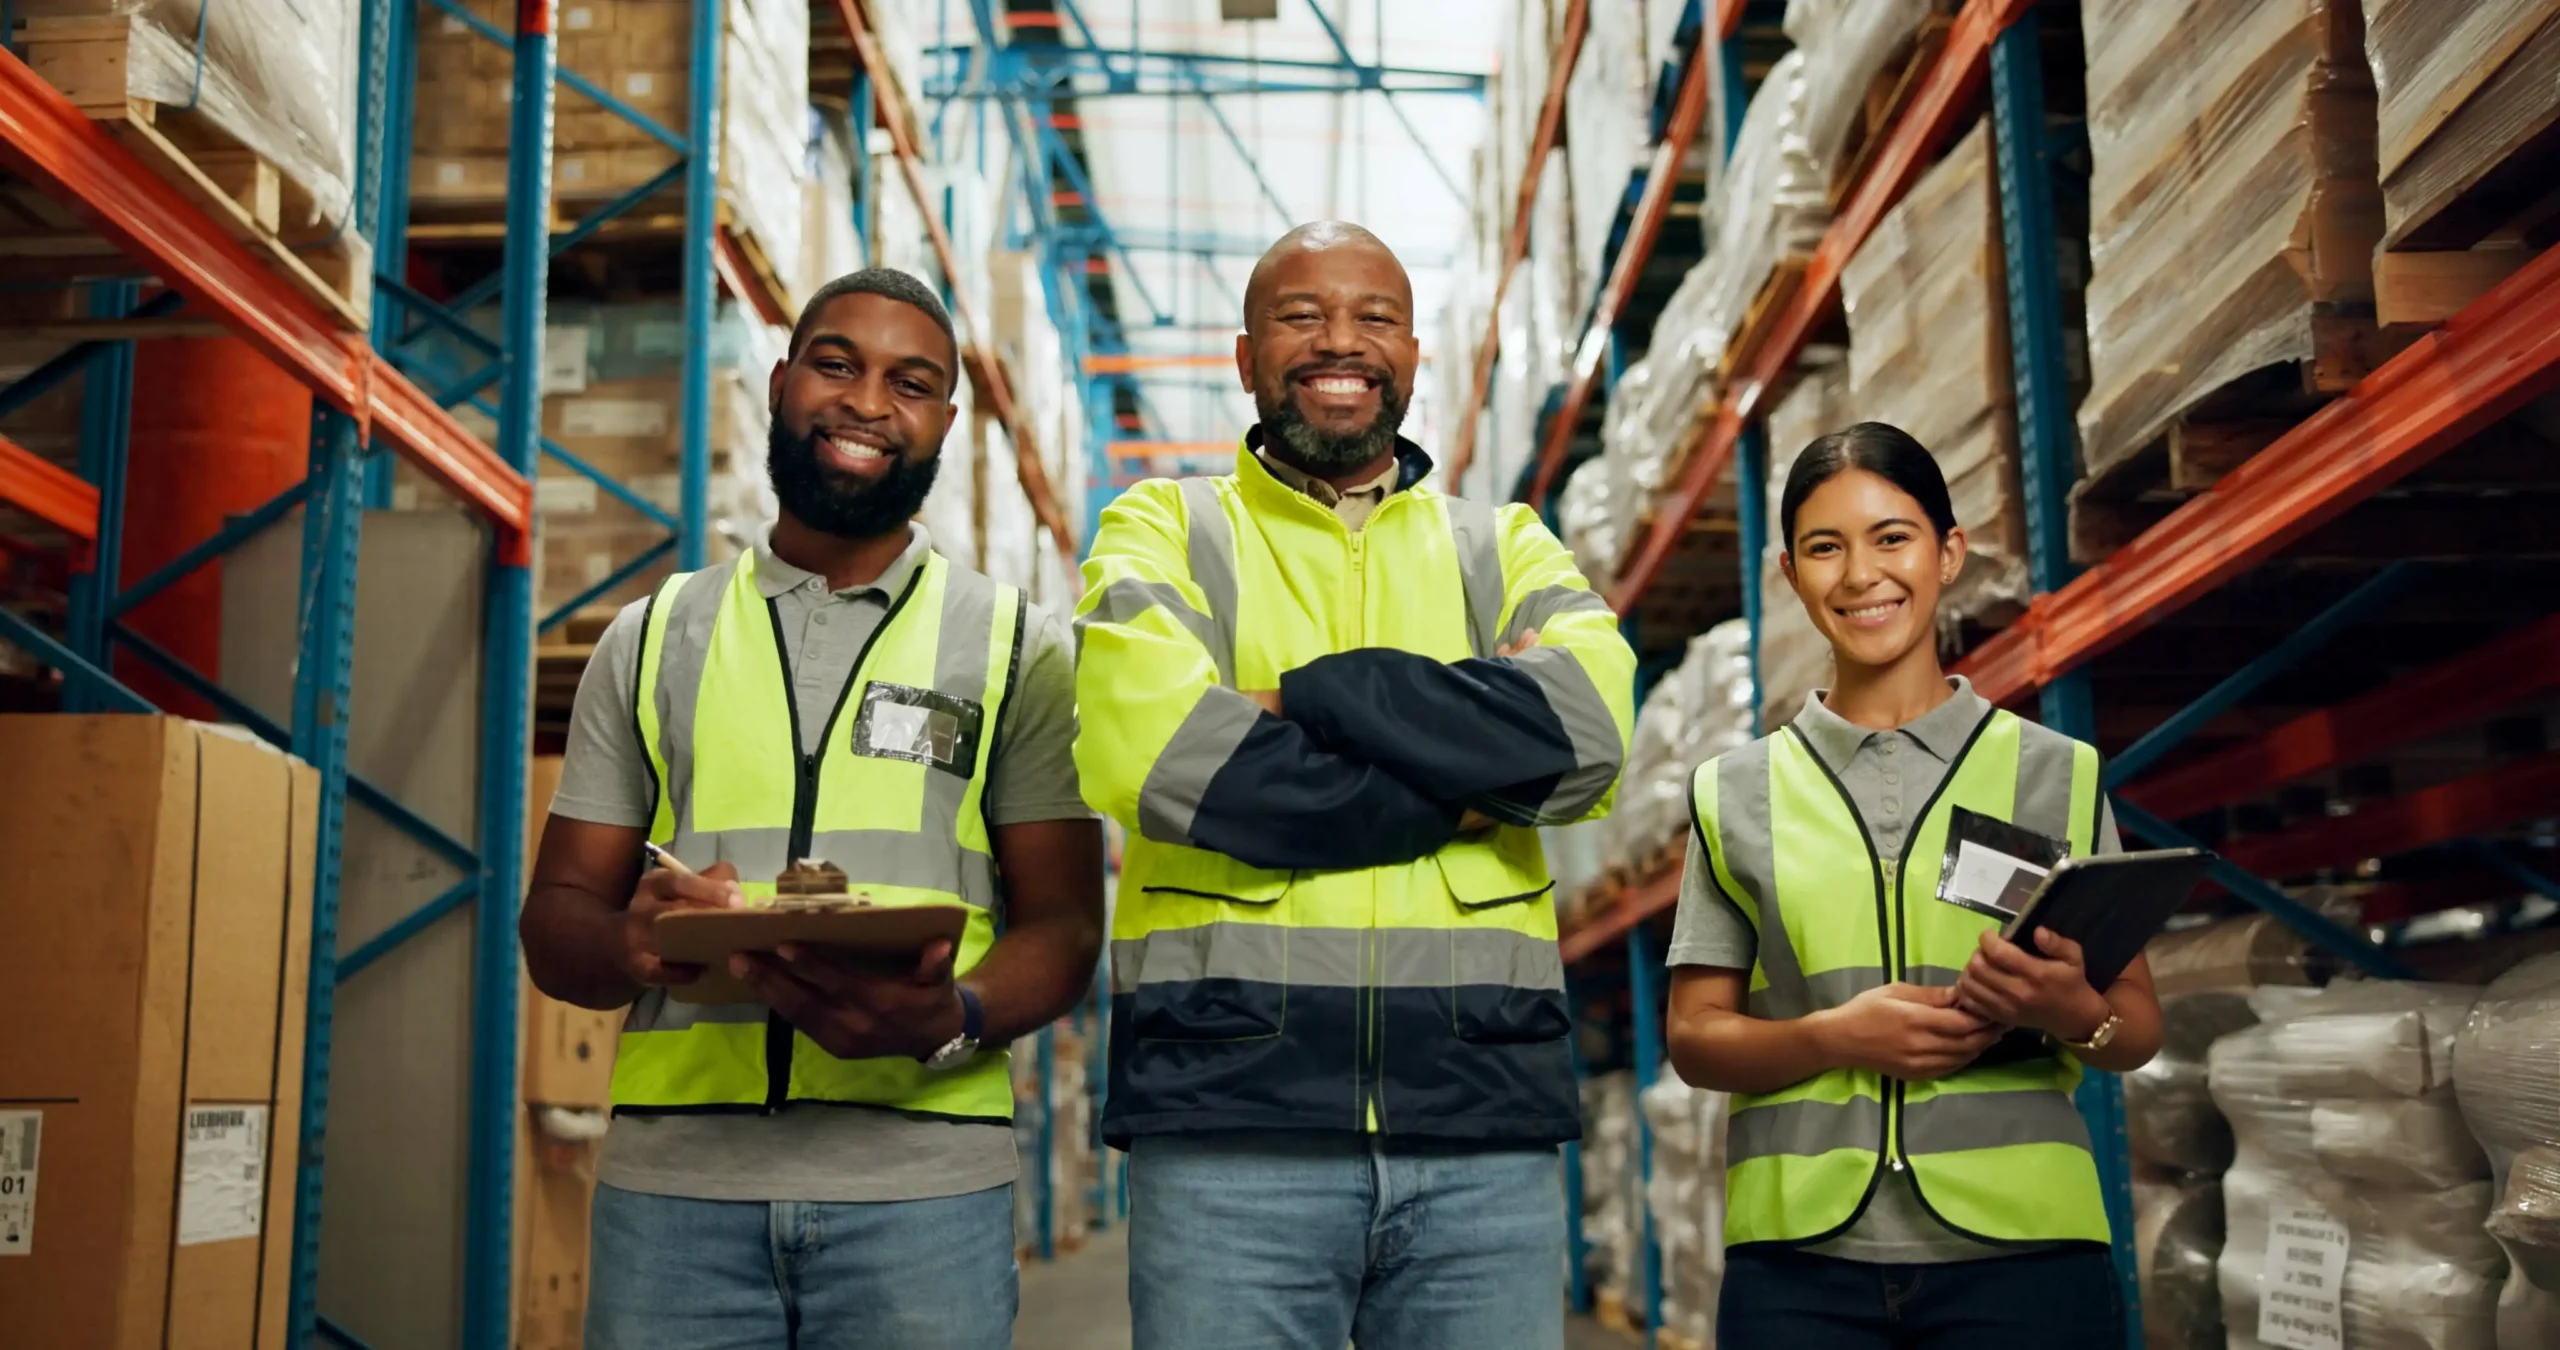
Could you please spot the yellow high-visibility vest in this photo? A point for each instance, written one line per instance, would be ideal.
(1997, 1153)
(893, 797)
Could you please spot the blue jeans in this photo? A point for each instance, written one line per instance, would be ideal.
(673, 1274)
(2065, 1299)
(1309, 1241)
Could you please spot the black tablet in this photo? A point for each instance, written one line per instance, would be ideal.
(2112, 904)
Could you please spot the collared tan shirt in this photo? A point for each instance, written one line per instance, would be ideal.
(1352, 504)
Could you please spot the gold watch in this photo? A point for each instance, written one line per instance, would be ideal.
(2098, 1039)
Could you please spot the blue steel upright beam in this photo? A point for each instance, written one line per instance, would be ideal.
(701, 288)
(397, 72)
(106, 436)
(507, 646)
(2048, 462)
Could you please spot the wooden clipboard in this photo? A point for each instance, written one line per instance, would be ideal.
(895, 935)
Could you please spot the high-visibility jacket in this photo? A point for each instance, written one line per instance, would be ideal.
(1422, 995)
(893, 797)
(1998, 1153)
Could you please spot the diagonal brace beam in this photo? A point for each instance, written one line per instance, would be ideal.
(2323, 931)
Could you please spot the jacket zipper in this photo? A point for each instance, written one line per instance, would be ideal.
(778, 1039)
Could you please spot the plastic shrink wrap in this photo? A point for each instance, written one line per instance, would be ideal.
(276, 76)
(2463, 88)
(1608, 117)
(2506, 1071)
(1769, 205)
(1700, 710)
(1686, 1199)
(2343, 1108)
(764, 131)
(2177, 1238)
(1794, 658)
(1929, 353)
(2231, 192)
(1612, 1186)
(1846, 44)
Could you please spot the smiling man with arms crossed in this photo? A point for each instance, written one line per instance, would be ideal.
(1331, 704)
(830, 1166)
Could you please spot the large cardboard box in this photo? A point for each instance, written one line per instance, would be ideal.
(154, 953)
(568, 1050)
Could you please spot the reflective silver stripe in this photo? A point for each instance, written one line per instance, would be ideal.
(1202, 745)
(1953, 1122)
(1827, 989)
(1931, 977)
(1803, 1128)
(1129, 597)
(1477, 534)
(1540, 607)
(1749, 850)
(687, 647)
(656, 1011)
(1211, 551)
(2043, 802)
(1576, 702)
(1385, 958)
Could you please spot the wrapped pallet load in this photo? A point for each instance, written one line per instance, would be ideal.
(2233, 208)
(1612, 1187)
(1846, 45)
(2354, 1205)
(2470, 94)
(1686, 1199)
(2506, 1072)
(1608, 115)
(1698, 711)
(1929, 353)
(1794, 658)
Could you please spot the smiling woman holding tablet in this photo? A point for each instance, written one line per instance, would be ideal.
(1839, 967)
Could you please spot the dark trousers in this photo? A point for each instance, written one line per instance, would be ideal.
(1775, 1299)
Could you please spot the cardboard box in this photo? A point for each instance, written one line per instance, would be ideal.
(555, 1195)
(153, 980)
(568, 1050)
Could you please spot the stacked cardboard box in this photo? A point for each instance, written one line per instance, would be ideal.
(2470, 95)
(2232, 199)
(568, 1089)
(159, 912)
(637, 51)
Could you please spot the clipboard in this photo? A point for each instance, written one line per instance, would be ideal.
(893, 935)
(2112, 904)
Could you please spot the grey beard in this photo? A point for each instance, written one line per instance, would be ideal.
(1313, 449)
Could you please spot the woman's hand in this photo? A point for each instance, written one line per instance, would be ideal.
(2048, 992)
(1904, 1031)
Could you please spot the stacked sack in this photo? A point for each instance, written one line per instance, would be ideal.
(2506, 1073)
(1612, 1186)
(2352, 1156)
(1686, 1199)
(1695, 713)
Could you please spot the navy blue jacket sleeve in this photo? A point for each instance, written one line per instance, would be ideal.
(1477, 733)
(1282, 800)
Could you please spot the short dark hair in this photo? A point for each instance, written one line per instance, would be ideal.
(1881, 449)
(882, 281)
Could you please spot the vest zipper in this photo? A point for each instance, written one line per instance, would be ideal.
(1897, 871)
(778, 1037)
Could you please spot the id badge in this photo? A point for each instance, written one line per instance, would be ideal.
(921, 726)
(1992, 866)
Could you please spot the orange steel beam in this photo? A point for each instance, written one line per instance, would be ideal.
(1639, 902)
(1729, 16)
(985, 365)
(1128, 363)
(54, 146)
(1931, 120)
(1170, 449)
(729, 261)
(1577, 21)
(2500, 673)
(49, 492)
(1661, 180)
(2487, 361)
(2519, 790)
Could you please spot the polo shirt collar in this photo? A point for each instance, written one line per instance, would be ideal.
(1941, 731)
(775, 577)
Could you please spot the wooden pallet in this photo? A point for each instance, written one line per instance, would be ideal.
(559, 664)
(248, 195)
(1891, 91)
(1776, 294)
(2119, 500)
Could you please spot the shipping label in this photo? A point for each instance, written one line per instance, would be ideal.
(222, 1180)
(20, 1133)
(2302, 1306)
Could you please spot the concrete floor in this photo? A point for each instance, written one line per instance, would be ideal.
(1081, 1302)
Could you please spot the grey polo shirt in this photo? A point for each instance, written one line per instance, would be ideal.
(810, 1152)
(1891, 776)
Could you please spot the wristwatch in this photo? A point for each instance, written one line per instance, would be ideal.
(959, 1048)
(2098, 1039)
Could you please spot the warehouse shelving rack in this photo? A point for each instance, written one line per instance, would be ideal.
(2482, 365)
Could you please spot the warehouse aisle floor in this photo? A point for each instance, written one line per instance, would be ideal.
(1081, 1302)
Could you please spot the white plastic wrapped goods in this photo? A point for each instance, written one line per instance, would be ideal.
(764, 128)
(2170, 1119)
(1846, 44)
(2463, 88)
(2507, 1076)
(1596, 520)
(277, 76)
(1700, 710)
(2231, 190)
(2177, 1240)
(1770, 204)
(1612, 1185)
(1686, 1198)
(2350, 1157)
(1608, 121)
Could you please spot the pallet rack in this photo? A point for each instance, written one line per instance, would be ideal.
(2484, 364)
